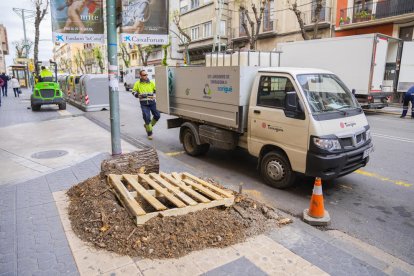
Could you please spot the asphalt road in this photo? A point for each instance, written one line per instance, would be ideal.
(374, 204)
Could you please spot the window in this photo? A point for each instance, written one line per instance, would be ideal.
(194, 4)
(223, 27)
(322, 15)
(267, 23)
(272, 91)
(363, 9)
(242, 31)
(207, 29)
(194, 33)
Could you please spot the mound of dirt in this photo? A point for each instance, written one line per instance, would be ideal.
(98, 217)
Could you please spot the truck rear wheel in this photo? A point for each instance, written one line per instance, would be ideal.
(190, 144)
(276, 170)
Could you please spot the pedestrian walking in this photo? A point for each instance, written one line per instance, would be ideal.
(1, 85)
(5, 79)
(16, 86)
(144, 90)
(408, 97)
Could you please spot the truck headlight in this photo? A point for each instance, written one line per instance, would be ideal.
(327, 144)
(37, 93)
(368, 135)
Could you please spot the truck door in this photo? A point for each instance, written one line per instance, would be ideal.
(270, 123)
(379, 62)
(406, 76)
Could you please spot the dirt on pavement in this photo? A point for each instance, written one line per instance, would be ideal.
(99, 218)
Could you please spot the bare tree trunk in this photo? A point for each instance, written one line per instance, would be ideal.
(41, 9)
(143, 161)
(298, 14)
(317, 18)
(253, 33)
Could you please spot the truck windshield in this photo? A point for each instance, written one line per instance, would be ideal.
(326, 93)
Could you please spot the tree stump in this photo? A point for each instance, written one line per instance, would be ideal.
(143, 161)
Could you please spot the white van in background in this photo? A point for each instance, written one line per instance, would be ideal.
(132, 75)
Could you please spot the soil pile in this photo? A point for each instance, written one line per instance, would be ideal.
(98, 217)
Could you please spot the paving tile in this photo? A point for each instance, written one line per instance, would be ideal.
(91, 261)
(33, 192)
(273, 258)
(61, 180)
(311, 248)
(181, 266)
(241, 266)
(85, 170)
(211, 258)
(129, 270)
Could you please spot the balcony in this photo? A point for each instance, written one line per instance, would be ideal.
(309, 19)
(376, 11)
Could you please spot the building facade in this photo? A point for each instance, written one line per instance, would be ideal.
(209, 24)
(390, 17)
(4, 47)
(79, 58)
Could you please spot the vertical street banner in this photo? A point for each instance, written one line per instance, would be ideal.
(77, 21)
(145, 22)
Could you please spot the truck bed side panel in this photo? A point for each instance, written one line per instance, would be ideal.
(218, 95)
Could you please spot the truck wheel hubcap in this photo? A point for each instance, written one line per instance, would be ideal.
(275, 170)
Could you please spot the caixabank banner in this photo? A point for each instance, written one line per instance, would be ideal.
(77, 21)
(144, 22)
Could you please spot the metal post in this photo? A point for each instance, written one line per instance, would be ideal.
(113, 77)
(24, 32)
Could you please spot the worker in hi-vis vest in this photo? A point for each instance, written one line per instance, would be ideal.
(144, 90)
(45, 73)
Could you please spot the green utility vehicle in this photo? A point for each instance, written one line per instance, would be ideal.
(47, 90)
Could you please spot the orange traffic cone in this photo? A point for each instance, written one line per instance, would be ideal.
(316, 214)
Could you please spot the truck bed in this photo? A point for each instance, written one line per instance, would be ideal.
(217, 95)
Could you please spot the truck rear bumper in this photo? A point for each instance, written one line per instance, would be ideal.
(35, 101)
(336, 165)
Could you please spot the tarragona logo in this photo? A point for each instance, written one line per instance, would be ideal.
(344, 125)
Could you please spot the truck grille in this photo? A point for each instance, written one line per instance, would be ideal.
(349, 142)
(47, 93)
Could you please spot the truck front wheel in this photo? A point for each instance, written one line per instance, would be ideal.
(276, 171)
(190, 144)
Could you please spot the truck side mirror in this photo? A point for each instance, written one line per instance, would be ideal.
(291, 102)
(293, 108)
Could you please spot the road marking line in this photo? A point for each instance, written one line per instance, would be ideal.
(64, 113)
(402, 139)
(386, 179)
(171, 154)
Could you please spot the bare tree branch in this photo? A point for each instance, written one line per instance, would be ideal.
(41, 10)
(298, 14)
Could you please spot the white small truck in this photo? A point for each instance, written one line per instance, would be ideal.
(294, 120)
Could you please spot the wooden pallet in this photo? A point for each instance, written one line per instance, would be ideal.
(186, 192)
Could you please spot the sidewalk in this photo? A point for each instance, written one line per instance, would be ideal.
(36, 237)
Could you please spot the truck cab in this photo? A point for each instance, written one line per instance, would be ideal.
(305, 121)
(294, 120)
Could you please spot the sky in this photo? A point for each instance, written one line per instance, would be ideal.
(14, 26)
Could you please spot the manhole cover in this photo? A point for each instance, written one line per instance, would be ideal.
(49, 154)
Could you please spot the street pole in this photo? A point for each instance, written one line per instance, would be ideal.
(23, 16)
(24, 31)
(113, 76)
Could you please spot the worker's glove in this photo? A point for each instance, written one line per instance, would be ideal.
(136, 94)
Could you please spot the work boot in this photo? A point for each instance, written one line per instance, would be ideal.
(153, 122)
(149, 137)
(402, 116)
